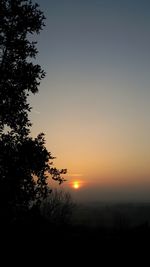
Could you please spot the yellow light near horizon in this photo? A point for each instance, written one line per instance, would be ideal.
(76, 185)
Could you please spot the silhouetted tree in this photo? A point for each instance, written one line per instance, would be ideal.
(24, 161)
(58, 207)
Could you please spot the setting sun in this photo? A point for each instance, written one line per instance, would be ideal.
(76, 185)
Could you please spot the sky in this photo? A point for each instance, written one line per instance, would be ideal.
(94, 103)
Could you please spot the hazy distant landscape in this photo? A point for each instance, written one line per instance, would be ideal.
(108, 215)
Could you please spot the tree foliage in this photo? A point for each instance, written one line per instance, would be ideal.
(24, 161)
(19, 76)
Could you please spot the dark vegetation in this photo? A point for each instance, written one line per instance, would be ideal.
(25, 162)
(31, 215)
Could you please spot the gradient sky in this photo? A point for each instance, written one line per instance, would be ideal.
(94, 104)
